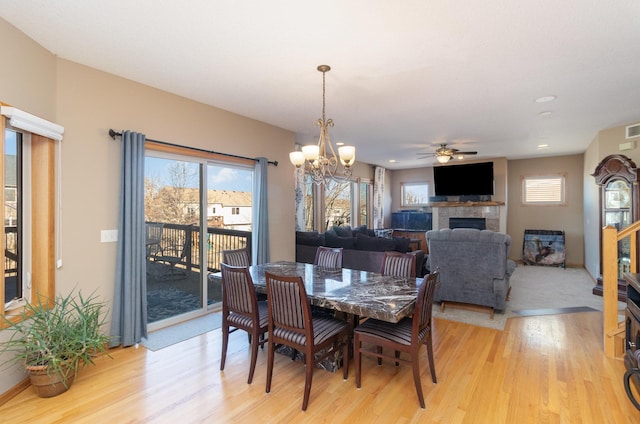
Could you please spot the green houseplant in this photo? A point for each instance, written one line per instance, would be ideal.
(53, 340)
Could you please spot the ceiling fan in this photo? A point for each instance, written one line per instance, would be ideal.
(444, 154)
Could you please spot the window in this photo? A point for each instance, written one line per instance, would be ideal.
(29, 262)
(235, 211)
(414, 194)
(13, 215)
(365, 189)
(543, 190)
(338, 201)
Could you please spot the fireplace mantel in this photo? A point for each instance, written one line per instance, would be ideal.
(466, 204)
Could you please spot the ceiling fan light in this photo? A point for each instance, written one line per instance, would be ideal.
(443, 159)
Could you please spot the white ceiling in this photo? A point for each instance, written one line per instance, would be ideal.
(406, 75)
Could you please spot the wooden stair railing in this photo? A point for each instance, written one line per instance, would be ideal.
(612, 328)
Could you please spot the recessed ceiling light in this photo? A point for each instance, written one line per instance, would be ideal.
(542, 146)
(545, 99)
(545, 113)
(392, 161)
(339, 143)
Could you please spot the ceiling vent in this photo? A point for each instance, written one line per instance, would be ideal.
(632, 131)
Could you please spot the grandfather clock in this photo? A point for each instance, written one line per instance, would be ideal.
(618, 180)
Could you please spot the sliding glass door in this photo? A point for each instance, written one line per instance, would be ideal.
(172, 216)
(194, 209)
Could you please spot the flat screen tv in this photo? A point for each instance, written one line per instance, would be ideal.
(473, 179)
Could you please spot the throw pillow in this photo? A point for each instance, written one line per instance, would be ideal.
(343, 230)
(364, 230)
(374, 244)
(335, 241)
(384, 233)
(310, 238)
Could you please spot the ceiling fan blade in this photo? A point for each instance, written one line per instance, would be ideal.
(465, 153)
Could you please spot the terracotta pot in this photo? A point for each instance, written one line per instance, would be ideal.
(49, 384)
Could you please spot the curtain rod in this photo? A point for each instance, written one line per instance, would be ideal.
(113, 134)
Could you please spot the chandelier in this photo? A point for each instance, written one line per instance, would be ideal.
(320, 160)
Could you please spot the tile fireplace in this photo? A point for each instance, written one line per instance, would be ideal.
(493, 214)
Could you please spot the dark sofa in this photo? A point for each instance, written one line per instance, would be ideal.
(362, 249)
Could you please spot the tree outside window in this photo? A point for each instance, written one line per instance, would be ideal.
(415, 194)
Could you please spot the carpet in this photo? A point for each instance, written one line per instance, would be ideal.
(535, 288)
(177, 333)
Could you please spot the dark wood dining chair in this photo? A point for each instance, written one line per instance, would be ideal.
(242, 311)
(328, 257)
(406, 336)
(399, 264)
(291, 324)
(236, 257)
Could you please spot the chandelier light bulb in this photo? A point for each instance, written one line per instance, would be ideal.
(297, 158)
(311, 152)
(347, 155)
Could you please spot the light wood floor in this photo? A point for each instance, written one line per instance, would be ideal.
(547, 369)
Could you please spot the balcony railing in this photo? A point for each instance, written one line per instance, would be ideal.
(175, 237)
(12, 285)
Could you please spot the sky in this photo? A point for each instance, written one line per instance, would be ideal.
(219, 178)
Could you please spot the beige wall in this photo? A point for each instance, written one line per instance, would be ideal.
(567, 218)
(87, 103)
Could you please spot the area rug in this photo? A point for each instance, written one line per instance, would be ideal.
(535, 288)
(168, 302)
(177, 333)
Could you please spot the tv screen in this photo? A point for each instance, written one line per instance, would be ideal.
(473, 179)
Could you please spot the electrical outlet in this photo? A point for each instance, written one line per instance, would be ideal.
(108, 236)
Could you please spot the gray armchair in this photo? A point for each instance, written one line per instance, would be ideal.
(474, 266)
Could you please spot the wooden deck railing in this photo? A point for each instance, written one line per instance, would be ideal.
(610, 238)
(218, 239)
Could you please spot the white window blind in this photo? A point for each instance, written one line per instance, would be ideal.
(543, 190)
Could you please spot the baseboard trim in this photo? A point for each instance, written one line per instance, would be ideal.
(14, 391)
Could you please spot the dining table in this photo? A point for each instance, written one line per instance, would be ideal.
(352, 292)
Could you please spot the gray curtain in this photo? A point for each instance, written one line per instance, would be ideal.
(129, 320)
(260, 219)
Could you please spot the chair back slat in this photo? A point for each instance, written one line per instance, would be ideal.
(424, 304)
(238, 291)
(329, 257)
(399, 264)
(288, 302)
(236, 257)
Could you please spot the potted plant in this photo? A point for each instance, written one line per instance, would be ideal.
(54, 341)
